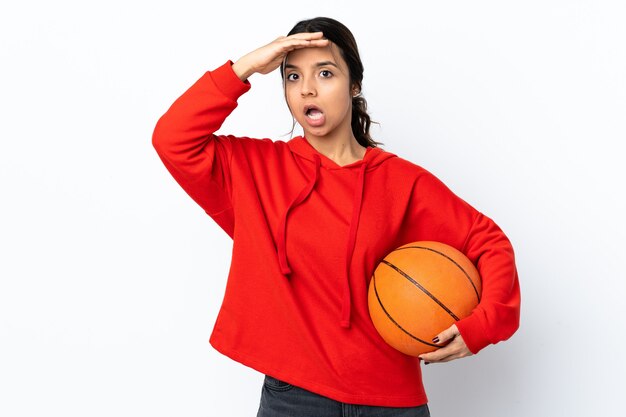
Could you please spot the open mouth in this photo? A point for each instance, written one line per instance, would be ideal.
(314, 116)
(313, 112)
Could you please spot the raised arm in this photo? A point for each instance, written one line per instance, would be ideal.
(185, 141)
(184, 137)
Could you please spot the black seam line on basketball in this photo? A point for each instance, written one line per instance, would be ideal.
(451, 260)
(418, 285)
(395, 322)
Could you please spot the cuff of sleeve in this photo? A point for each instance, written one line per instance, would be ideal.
(228, 82)
(473, 333)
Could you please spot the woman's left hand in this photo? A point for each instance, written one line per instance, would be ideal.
(454, 350)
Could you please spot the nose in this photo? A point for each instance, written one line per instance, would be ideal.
(308, 87)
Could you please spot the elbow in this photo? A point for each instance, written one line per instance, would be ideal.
(159, 138)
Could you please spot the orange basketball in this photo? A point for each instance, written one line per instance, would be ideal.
(419, 290)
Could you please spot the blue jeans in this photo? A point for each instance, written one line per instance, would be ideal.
(280, 399)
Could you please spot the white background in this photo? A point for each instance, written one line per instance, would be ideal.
(111, 277)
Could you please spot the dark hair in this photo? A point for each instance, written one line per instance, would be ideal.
(341, 36)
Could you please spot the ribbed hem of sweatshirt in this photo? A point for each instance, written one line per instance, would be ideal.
(323, 390)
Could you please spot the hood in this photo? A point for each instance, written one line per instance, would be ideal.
(373, 158)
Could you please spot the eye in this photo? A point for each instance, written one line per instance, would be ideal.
(293, 76)
(326, 74)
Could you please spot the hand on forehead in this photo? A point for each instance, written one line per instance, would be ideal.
(312, 56)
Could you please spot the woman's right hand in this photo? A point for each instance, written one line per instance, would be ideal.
(269, 57)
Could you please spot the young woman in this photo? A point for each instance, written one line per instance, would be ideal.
(310, 219)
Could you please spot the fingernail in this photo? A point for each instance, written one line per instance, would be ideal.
(436, 339)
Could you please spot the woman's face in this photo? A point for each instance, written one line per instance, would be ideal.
(317, 88)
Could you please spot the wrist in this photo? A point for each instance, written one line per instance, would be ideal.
(242, 70)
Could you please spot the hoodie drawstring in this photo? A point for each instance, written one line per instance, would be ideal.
(346, 304)
(346, 297)
(282, 230)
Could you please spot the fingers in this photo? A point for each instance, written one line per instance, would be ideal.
(302, 40)
(455, 349)
(267, 58)
(448, 334)
(303, 35)
(306, 35)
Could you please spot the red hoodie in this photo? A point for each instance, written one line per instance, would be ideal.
(307, 236)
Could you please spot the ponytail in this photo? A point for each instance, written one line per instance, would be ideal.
(361, 122)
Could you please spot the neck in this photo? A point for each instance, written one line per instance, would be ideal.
(342, 147)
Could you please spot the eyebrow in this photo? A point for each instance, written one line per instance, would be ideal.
(319, 64)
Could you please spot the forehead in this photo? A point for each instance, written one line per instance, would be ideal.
(309, 57)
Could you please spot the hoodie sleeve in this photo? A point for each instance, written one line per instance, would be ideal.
(185, 141)
(496, 317)
(442, 216)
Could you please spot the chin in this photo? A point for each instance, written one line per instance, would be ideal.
(316, 134)
(318, 131)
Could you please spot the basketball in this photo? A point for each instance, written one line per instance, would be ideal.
(418, 290)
